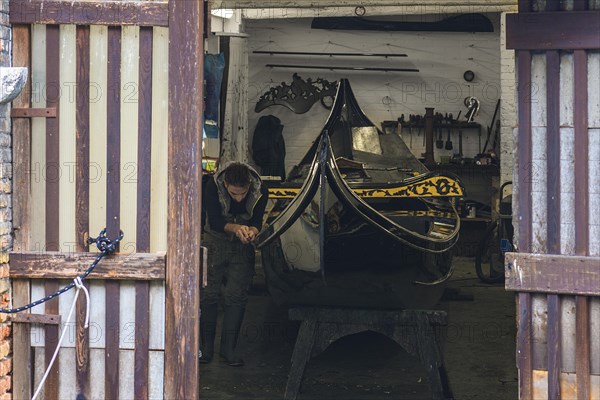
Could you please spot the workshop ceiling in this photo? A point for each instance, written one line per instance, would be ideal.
(256, 9)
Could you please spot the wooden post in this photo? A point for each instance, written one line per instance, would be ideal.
(21, 215)
(82, 219)
(185, 162)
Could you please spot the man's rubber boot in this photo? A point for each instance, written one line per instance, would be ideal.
(232, 322)
(208, 327)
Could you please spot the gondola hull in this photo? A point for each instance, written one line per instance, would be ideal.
(364, 271)
(360, 222)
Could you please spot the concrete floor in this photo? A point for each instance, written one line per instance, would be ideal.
(478, 349)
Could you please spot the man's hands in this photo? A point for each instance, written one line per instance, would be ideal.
(245, 233)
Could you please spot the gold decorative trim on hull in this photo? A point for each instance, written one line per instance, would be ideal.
(435, 186)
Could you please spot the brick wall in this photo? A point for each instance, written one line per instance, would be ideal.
(5, 213)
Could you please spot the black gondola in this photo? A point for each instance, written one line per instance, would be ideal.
(360, 221)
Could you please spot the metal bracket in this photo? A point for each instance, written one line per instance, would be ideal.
(42, 319)
(33, 112)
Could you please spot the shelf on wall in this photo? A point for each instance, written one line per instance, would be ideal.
(310, 53)
(333, 68)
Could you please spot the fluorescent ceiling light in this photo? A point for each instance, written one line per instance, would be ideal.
(222, 12)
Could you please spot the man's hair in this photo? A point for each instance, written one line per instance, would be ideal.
(237, 174)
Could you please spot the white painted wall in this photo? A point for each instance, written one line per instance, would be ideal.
(441, 57)
(508, 114)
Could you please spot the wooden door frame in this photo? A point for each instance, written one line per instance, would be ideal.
(186, 27)
(552, 276)
(185, 172)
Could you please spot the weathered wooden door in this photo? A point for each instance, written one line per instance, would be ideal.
(98, 143)
(556, 272)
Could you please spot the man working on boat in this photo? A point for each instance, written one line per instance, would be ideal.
(234, 201)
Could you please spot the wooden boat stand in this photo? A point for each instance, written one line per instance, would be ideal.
(411, 329)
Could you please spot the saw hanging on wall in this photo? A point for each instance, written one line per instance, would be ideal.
(300, 95)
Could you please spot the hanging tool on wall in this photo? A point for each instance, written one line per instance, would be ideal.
(410, 124)
(457, 158)
(472, 105)
(421, 122)
(491, 127)
(401, 124)
(439, 143)
(449, 139)
(428, 133)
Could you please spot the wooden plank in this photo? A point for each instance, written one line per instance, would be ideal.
(68, 139)
(567, 333)
(524, 149)
(51, 334)
(185, 160)
(21, 141)
(82, 217)
(137, 266)
(554, 346)
(583, 348)
(568, 386)
(142, 335)
(38, 363)
(98, 127)
(157, 315)
(580, 122)
(98, 330)
(89, 13)
(144, 154)
(38, 140)
(82, 349)
(160, 125)
(127, 327)
(52, 196)
(553, 151)
(52, 166)
(289, 9)
(21, 374)
(156, 379)
(42, 319)
(25, 112)
(127, 370)
(111, 355)
(142, 289)
(129, 98)
(524, 353)
(68, 380)
(538, 165)
(552, 274)
(113, 146)
(539, 332)
(97, 371)
(574, 30)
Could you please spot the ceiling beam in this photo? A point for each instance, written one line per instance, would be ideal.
(255, 9)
